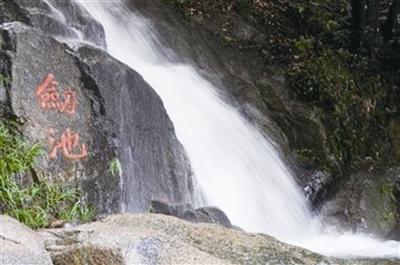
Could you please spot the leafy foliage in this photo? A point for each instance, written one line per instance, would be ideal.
(326, 22)
(15, 155)
(352, 100)
(4, 80)
(115, 167)
(352, 91)
(40, 203)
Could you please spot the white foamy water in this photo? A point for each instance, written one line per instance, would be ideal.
(235, 166)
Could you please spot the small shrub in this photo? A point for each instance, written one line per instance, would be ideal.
(4, 80)
(115, 167)
(303, 46)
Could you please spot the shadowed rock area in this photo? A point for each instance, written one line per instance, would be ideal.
(187, 212)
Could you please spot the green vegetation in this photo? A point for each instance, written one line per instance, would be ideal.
(352, 89)
(351, 100)
(151, 209)
(4, 80)
(388, 190)
(115, 167)
(37, 204)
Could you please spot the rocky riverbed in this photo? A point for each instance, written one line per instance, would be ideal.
(151, 239)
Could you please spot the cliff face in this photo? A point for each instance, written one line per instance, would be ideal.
(267, 57)
(103, 127)
(238, 52)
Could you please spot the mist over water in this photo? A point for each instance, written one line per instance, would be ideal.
(236, 168)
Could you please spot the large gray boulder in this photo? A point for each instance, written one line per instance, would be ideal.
(91, 113)
(20, 245)
(160, 239)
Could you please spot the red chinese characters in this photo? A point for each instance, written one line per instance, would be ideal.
(69, 145)
(69, 105)
(49, 99)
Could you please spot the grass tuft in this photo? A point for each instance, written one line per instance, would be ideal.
(39, 204)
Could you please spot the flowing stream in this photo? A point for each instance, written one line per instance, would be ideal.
(235, 166)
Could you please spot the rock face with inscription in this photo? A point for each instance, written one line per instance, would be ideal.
(90, 111)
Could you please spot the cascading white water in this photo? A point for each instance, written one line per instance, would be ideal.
(236, 168)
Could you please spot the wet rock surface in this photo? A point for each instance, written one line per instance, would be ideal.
(154, 165)
(367, 202)
(64, 19)
(315, 189)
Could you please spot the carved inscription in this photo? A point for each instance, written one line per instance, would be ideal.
(69, 142)
(49, 99)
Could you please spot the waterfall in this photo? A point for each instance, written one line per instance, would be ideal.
(236, 168)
